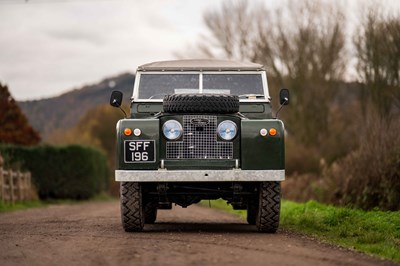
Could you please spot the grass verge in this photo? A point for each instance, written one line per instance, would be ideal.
(6, 207)
(21, 205)
(374, 232)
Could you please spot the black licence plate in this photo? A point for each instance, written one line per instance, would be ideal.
(140, 151)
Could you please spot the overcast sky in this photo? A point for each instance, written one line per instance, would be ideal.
(48, 47)
(51, 46)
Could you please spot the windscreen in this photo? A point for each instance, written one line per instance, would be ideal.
(156, 86)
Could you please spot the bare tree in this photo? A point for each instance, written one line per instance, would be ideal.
(231, 31)
(378, 53)
(302, 45)
(304, 39)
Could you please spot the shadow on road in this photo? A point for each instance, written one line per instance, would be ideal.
(163, 227)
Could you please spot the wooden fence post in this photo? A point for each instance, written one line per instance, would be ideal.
(11, 175)
(2, 179)
(29, 185)
(19, 188)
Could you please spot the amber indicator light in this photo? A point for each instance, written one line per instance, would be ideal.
(272, 132)
(127, 131)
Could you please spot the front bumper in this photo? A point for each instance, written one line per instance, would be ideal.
(235, 175)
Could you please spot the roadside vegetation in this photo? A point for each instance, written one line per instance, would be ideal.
(68, 172)
(6, 207)
(373, 232)
(22, 205)
(60, 172)
(343, 73)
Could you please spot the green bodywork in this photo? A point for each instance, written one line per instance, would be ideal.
(250, 150)
(250, 110)
(149, 131)
(262, 153)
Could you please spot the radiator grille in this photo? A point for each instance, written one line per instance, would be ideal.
(199, 141)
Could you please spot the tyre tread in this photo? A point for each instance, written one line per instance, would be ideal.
(269, 207)
(201, 103)
(131, 207)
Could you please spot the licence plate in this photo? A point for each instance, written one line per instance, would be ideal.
(140, 151)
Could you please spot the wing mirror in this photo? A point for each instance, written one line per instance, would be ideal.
(283, 100)
(116, 98)
(284, 97)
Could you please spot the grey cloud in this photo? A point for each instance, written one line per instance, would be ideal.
(79, 35)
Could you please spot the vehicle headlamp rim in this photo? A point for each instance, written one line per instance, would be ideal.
(177, 123)
(230, 122)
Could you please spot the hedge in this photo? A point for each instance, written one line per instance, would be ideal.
(66, 172)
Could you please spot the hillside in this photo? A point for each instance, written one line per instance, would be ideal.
(64, 111)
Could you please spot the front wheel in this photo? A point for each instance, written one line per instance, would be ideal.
(132, 214)
(269, 207)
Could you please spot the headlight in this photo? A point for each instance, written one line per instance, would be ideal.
(172, 129)
(227, 130)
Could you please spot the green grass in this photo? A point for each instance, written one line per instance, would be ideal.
(374, 232)
(6, 207)
(21, 205)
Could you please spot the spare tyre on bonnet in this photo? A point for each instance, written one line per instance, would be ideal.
(201, 103)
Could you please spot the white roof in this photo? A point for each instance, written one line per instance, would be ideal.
(200, 65)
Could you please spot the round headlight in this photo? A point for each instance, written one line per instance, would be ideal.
(172, 129)
(227, 130)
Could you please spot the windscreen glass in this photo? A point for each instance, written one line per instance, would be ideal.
(156, 86)
(243, 85)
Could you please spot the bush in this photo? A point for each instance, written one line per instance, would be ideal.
(69, 172)
(369, 177)
(299, 158)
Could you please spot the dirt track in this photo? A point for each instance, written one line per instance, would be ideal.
(91, 234)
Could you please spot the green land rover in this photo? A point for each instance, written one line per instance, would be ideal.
(200, 130)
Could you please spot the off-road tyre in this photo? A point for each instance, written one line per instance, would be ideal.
(132, 214)
(267, 219)
(252, 209)
(150, 212)
(201, 103)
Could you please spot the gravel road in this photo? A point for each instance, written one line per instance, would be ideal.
(91, 234)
